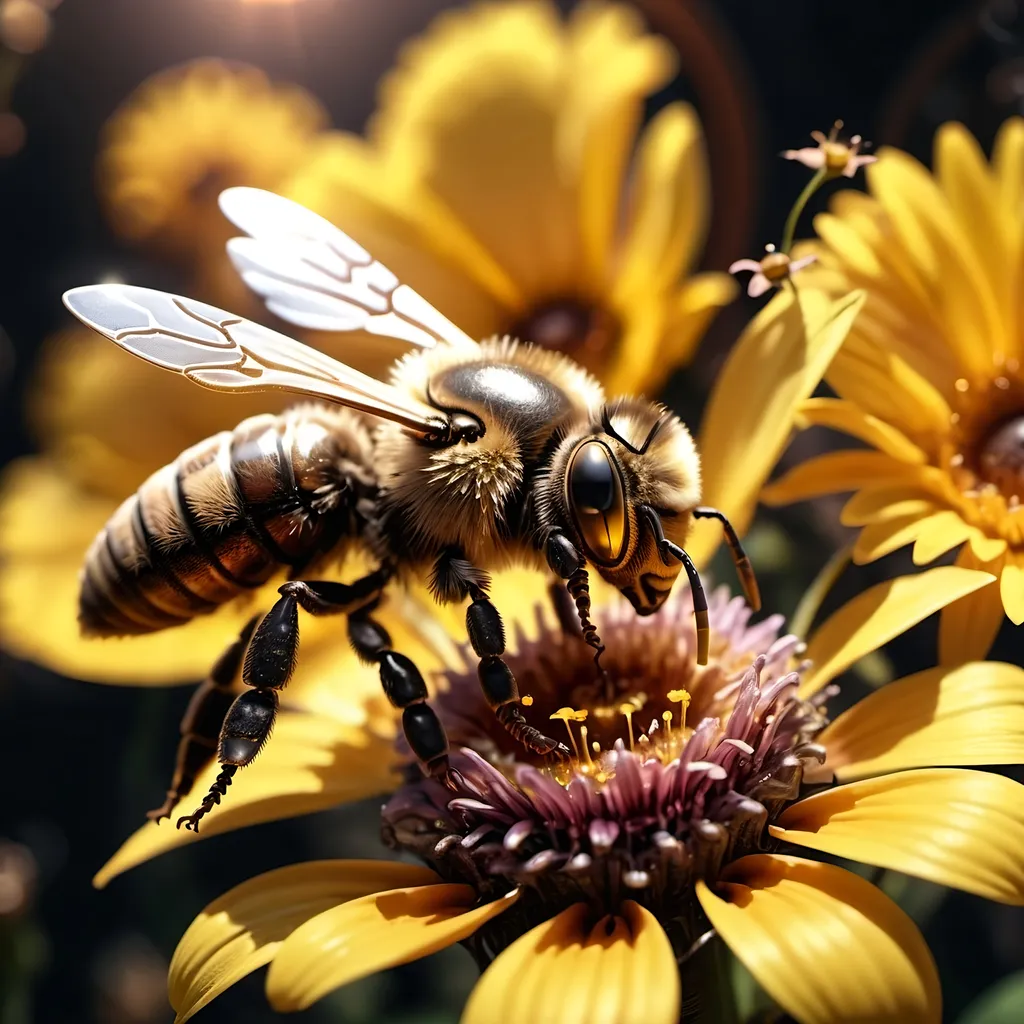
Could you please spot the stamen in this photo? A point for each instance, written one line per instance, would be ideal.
(566, 715)
(585, 757)
(627, 710)
(526, 700)
(666, 717)
(682, 698)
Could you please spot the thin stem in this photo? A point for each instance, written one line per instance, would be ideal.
(707, 986)
(798, 208)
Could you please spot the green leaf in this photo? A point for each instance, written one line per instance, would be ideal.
(1003, 1003)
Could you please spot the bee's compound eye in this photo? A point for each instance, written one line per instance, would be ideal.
(595, 494)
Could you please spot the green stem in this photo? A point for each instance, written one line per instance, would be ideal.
(707, 986)
(798, 208)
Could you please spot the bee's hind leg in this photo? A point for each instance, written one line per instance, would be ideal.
(202, 721)
(269, 663)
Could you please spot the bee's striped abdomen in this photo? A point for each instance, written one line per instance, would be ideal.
(224, 517)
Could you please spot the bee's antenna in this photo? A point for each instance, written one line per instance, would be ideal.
(578, 585)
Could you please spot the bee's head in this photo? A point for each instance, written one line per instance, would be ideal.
(636, 454)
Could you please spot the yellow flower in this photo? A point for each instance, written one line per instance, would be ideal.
(585, 884)
(496, 181)
(186, 134)
(930, 376)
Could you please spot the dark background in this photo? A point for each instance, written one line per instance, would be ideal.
(80, 763)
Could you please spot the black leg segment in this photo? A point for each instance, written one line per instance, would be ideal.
(406, 689)
(202, 722)
(487, 635)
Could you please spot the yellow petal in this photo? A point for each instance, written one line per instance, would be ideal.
(610, 66)
(877, 615)
(834, 473)
(669, 205)
(877, 380)
(1011, 590)
(968, 627)
(243, 929)
(471, 113)
(851, 419)
(952, 826)
(775, 365)
(826, 945)
(964, 175)
(882, 538)
(940, 532)
(969, 715)
(884, 503)
(620, 970)
(311, 763)
(652, 347)
(371, 934)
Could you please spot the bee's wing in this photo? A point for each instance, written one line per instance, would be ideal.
(313, 275)
(228, 353)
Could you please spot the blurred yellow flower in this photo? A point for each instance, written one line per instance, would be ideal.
(930, 377)
(189, 132)
(498, 179)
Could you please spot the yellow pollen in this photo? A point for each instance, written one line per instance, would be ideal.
(568, 715)
(666, 717)
(682, 698)
(962, 385)
(526, 700)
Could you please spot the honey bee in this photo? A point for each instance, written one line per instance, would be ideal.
(474, 456)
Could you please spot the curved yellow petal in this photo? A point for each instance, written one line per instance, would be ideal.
(938, 534)
(776, 364)
(669, 206)
(611, 64)
(952, 826)
(244, 928)
(471, 114)
(877, 615)
(969, 715)
(968, 627)
(310, 763)
(969, 185)
(837, 414)
(834, 473)
(882, 538)
(881, 383)
(619, 970)
(1011, 590)
(371, 934)
(826, 945)
(884, 503)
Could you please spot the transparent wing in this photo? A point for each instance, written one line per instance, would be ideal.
(224, 352)
(313, 275)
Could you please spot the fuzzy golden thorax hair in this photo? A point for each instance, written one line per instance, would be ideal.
(457, 496)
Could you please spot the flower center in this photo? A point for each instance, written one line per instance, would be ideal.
(775, 266)
(837, 155)
(580, 329)
(1001, 456)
